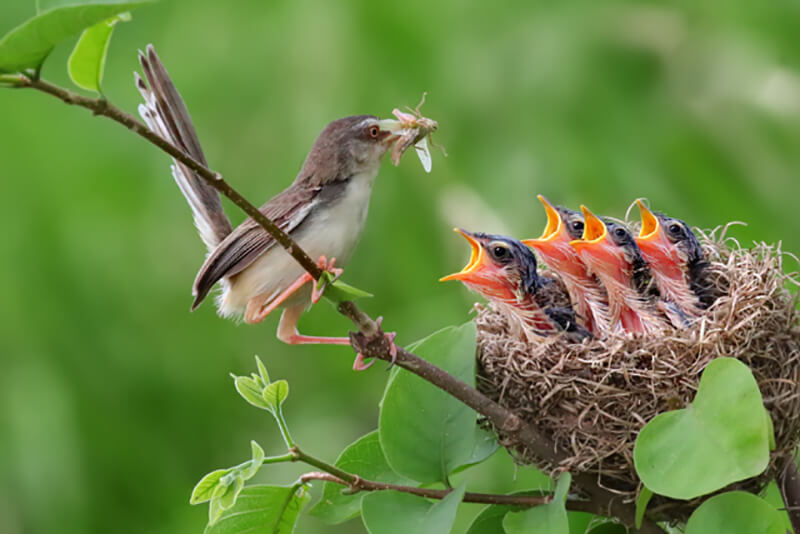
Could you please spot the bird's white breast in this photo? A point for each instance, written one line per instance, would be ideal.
(331, 229)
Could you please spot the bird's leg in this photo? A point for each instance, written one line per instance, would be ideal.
(260, 312)
(287, 330)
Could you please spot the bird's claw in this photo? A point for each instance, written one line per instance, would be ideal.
(329, 266)
(360, 365)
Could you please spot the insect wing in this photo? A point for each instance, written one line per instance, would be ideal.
(424, 154)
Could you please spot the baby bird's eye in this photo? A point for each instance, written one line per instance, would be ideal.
(499, 251)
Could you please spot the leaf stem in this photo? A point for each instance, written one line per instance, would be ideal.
(288, 457)
(369, 339)
(287, 438)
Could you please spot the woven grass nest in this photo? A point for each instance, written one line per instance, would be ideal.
(592, 398)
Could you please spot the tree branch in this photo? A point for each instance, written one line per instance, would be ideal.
(369, 339)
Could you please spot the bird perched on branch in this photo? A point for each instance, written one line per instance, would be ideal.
(609, 250)
(504, 271)
(676, 261)
(323, 210)
(587, 294)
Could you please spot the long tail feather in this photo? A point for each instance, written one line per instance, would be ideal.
(165, 113)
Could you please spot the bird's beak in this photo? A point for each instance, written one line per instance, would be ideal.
(390, 128)
(552, 230)
(656, 247)
(650, 234)
(596, 247)
(594, 232)
(475, 259)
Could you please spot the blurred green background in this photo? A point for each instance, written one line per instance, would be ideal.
(114, 399)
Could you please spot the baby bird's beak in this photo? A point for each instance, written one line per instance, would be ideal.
(474, 263)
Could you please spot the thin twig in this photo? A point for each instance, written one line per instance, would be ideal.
(369, 338)
(361, 484)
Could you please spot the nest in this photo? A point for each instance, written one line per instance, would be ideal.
(593, 398)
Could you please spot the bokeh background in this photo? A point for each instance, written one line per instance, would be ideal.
(114, 399)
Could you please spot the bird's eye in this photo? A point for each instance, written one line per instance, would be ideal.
(373, 131)
(675, 228)
(499, 251)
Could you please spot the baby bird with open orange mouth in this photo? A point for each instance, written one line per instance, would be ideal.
(588, 296)
(676, 261)
(609, 250)
(503, 270)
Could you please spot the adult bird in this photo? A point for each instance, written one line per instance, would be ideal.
(589, 298)
(609, 250)
(676, 261)
(504, 271)
(323, 210)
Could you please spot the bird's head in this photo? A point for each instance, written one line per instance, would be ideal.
(563, 225)
(666, 239)
(347, 147)
(499, 267)
(608, 248)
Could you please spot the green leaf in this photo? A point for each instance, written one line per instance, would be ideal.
(88, 58)
(490, 519)
(485, 445)
(773, 496)
(228, 496)
(721, 438)
(27, 45)
(337, 291)
(735, 512)
(364, 458)
(424, 432)
(262, 510)
(274, 394)
(251, 468)
(642, 500)
(262, 371)
(550, 518)
(770, 430)
(204, 489)
(391, 511)
(251, 391)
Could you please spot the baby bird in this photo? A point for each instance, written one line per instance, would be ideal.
(677, 263)
(609, 251)
(588, 296)
(503, 270)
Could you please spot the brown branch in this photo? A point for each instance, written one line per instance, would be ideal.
(360, 484)
(789, 484)
(369, 339)
(100, 106)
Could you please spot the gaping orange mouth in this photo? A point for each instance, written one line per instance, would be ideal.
(594, 230)
(650, 223)
(475, 259)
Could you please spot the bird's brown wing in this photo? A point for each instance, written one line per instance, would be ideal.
(248, 241)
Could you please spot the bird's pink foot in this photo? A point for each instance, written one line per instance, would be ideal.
(359, 365)
(326, 265)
